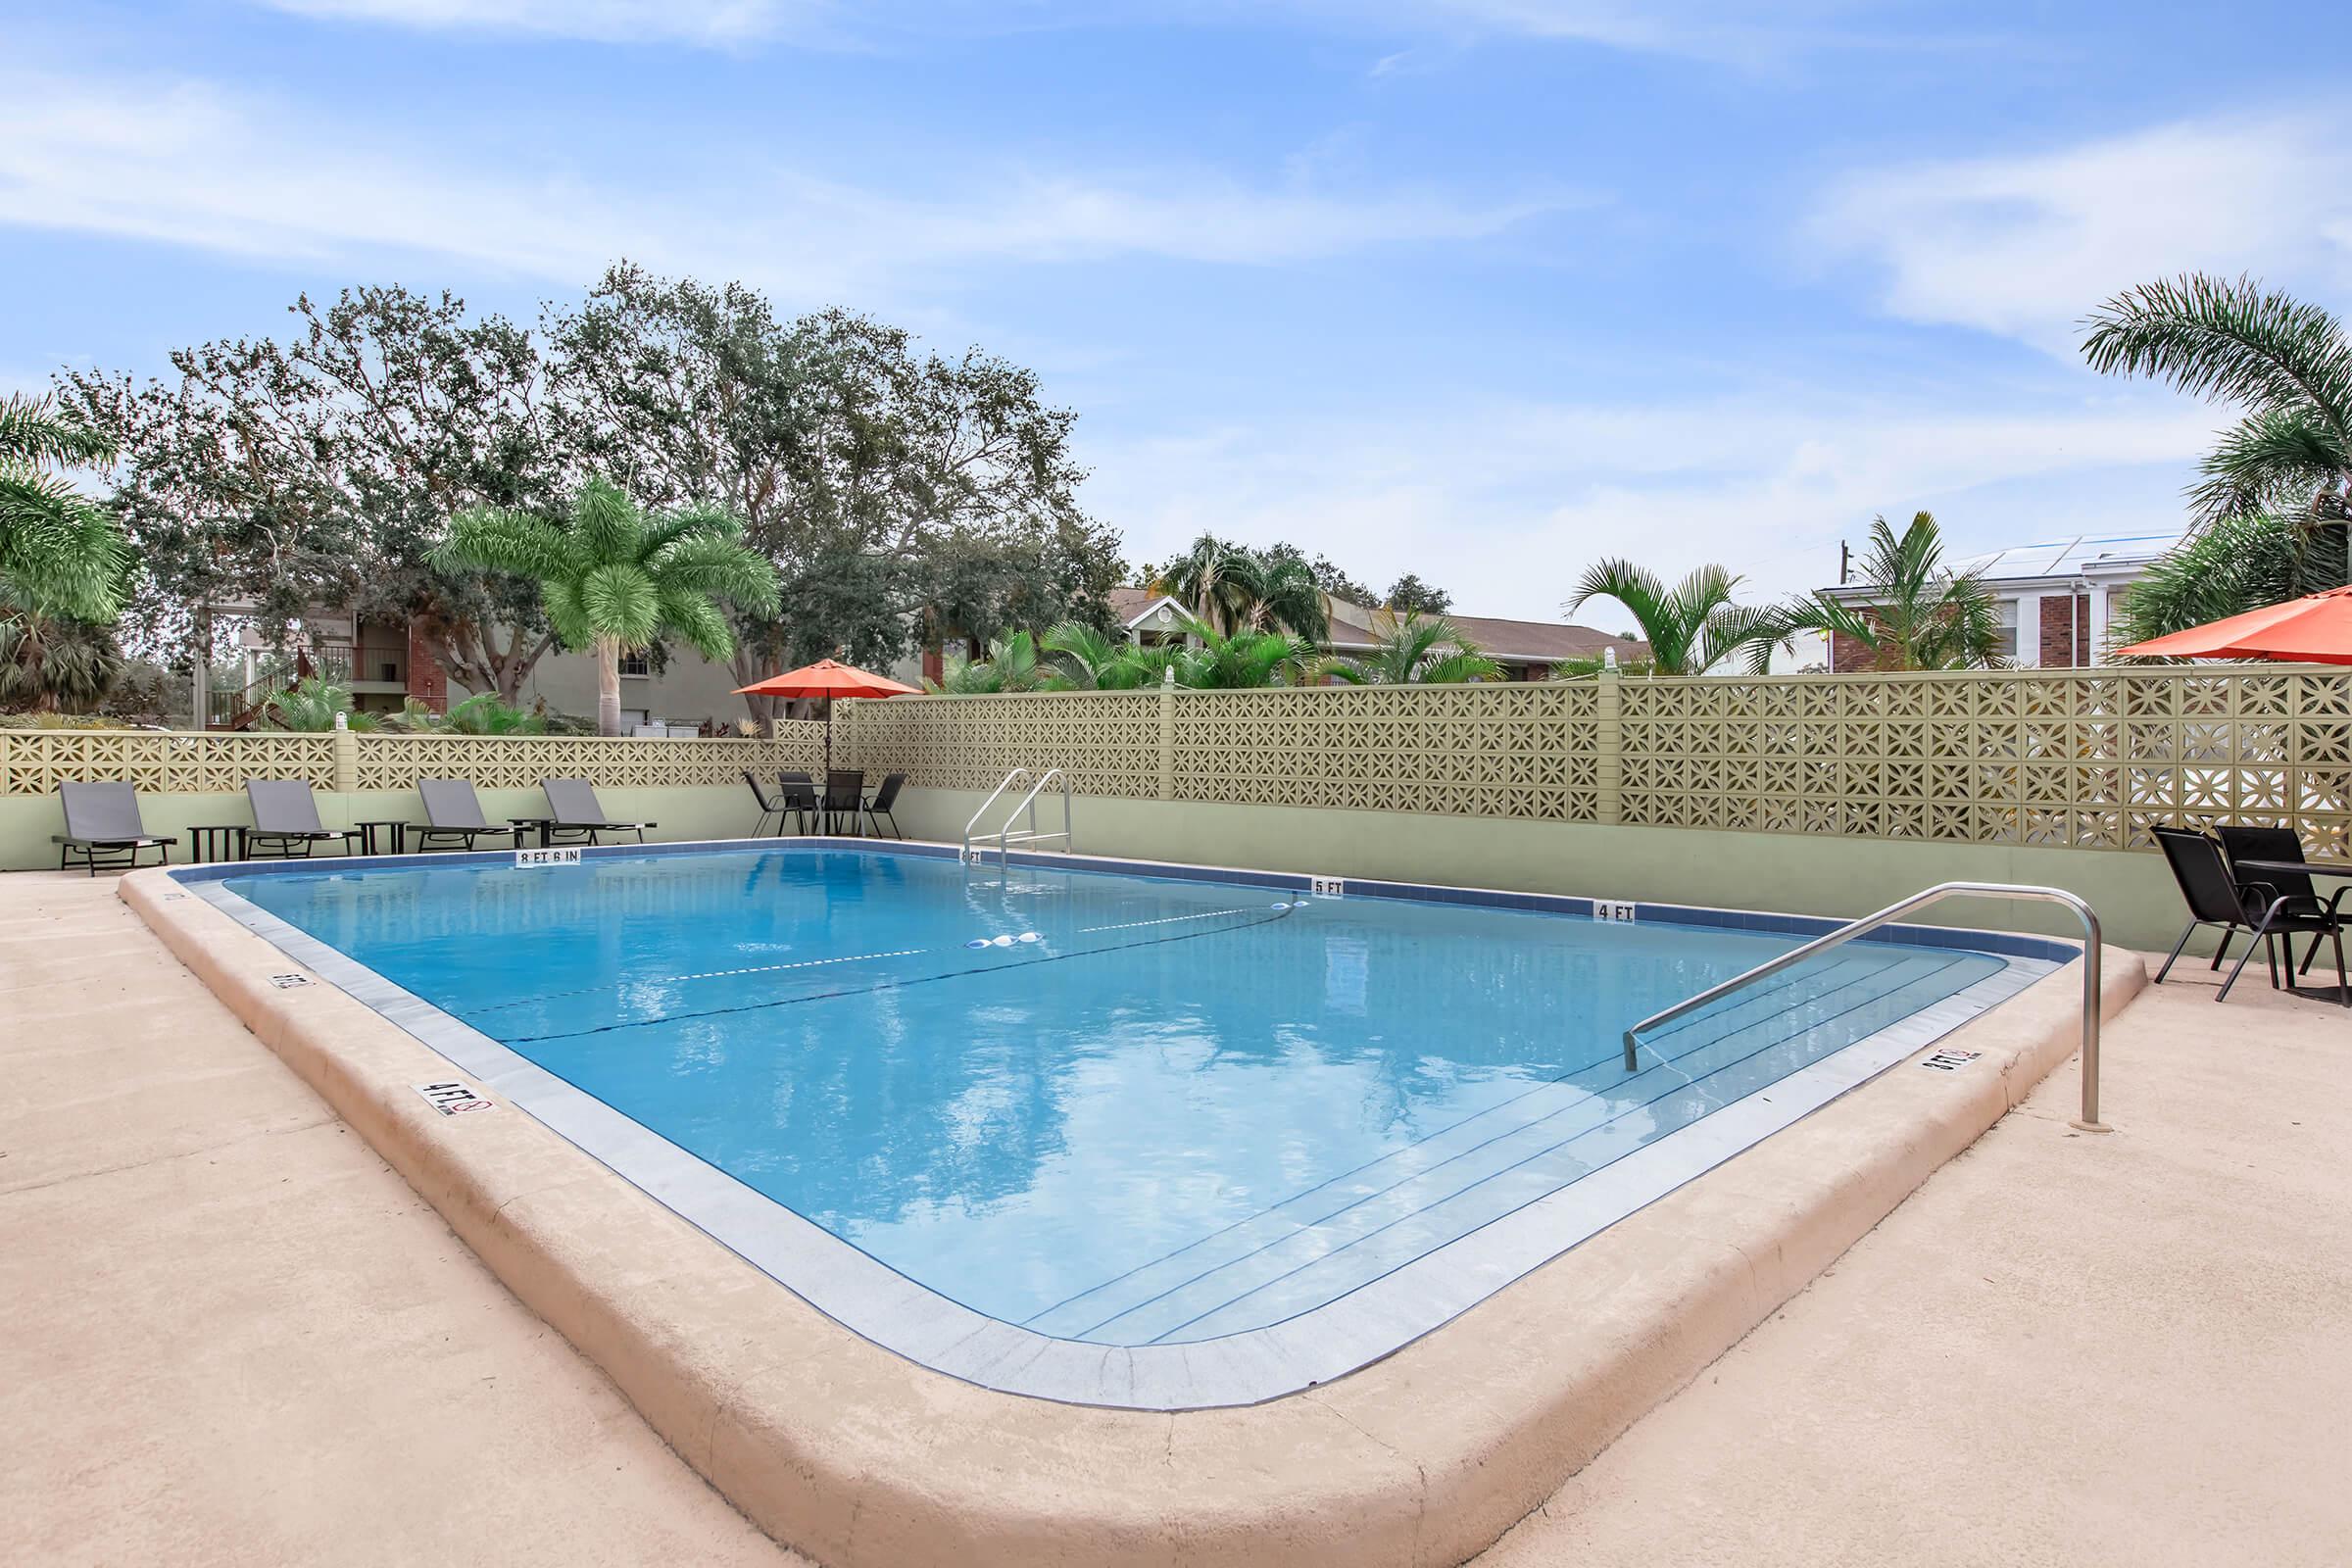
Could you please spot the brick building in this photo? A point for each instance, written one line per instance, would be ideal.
(2056, 599)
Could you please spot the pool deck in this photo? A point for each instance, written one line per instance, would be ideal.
(237, 1335)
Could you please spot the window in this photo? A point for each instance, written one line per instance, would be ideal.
(2005, 645)
(634, 664)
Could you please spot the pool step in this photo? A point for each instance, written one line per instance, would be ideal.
(1321, 1244)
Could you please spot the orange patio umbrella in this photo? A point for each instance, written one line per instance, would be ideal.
(828, 678)
(2316, 629)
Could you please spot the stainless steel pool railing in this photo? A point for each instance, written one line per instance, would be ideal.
(1005, 835)
(2088, 1122)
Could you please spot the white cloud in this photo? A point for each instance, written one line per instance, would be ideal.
(2025, 246)
(1505, 506)
(193, 165)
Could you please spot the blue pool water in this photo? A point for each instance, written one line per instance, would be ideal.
(1116, 1108)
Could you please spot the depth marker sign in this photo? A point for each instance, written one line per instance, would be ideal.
(570, 856)
(451, 1099)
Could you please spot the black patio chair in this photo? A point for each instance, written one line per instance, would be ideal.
(2211, 893)
(768, 808)
(103, 826)
(799, 797)
(845, 797)
(880, 805)
(2242, 843)
(2216, 898)
(573, 809)
(452, 812)
(285, 821)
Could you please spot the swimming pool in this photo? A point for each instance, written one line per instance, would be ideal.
(1119, 1138)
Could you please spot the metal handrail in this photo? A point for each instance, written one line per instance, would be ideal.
(1006, 837)
(2088, 1122)
(1018, 772)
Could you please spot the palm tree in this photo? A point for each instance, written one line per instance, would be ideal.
(310, 707)
(62, 560)
(80, 663)
(1691, 629)
(615, 579)
(1412, 649)
(2287, 363)
(1088, 659)
(1010, 666)
(1230, 587)
(59, 555)
(2231, 565)
(2276, 492)
(1917, 615)
(1238, 661)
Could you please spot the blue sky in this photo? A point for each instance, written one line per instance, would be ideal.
(1484, 289)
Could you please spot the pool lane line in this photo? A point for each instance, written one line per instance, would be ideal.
(891, 985)
(707, 974)
(802, 963)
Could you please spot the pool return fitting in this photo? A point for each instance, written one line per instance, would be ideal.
(2088, 1122)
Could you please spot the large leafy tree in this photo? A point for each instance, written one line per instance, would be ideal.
(1410, 595)
(1234, 588)
(62, 563)
(1412, 649)
(1691, 627)
(2274, 501)
(1916, 614)
(897, 494)
(267, 477)
(614, 579)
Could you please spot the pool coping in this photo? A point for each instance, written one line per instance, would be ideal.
(1425, 1452)
(1247, 1366)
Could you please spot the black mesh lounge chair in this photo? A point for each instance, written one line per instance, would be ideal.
(879, 806)
(845, 797)
(768, 808)
(454, 816)
(103, 828)
(799, 798)
(285, 821)
(2241, 843)
(572, 811)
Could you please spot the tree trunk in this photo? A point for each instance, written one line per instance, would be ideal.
(748, 664)
(607, 686)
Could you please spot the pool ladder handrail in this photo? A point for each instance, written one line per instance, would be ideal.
(1005, 835)
(2088, 1122)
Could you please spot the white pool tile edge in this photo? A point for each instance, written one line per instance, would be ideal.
(1327, 1342)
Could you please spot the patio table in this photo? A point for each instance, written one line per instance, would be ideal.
(2334, 868)
(215, 842)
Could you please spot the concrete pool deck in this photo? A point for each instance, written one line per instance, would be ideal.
(238, 1334)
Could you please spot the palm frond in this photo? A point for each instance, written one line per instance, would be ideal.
(2228, 339)
(32, 434)
(621, 601)
(2274, 460)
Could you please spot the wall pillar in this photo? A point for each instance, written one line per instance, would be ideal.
(1168, 741)
(347, 757)
(1608, 749)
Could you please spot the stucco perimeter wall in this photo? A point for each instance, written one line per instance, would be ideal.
(2132, 893)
